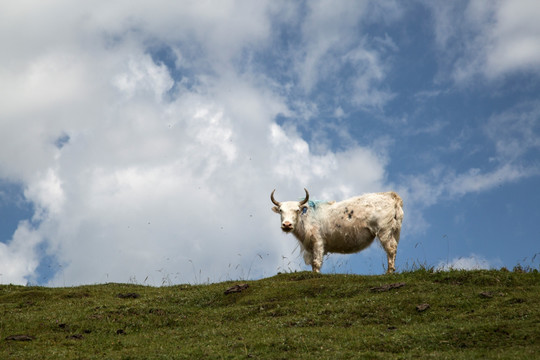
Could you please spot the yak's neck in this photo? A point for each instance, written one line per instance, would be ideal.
(300, 229)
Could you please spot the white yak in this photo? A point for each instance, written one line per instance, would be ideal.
(345, 227)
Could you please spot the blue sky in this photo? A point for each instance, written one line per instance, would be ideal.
(140, 141)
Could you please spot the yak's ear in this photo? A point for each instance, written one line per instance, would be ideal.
(275, 209)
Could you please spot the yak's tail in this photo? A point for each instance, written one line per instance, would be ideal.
(398, 216)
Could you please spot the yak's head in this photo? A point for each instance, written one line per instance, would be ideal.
(289, 211)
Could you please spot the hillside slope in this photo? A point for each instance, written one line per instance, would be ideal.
(420, 314)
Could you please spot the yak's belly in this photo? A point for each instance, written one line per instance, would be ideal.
(347, 242)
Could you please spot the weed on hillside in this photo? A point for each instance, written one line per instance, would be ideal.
(418, 314)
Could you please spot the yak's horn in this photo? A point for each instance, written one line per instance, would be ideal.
(306, 199)
(274, 200)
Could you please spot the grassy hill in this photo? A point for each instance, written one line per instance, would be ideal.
(469, 314)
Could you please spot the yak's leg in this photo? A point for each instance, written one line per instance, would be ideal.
(391, 255)
(389, 244)
(318, 253)
(308, 257)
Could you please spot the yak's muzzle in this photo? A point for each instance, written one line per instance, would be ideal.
(286, 226)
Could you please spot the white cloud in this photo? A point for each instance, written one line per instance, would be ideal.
(47, 194)
(514, 41)
(473, 262)
(326, 27)
(434, 128)
(475, 180)
(515, 131)
(490, 39)
(513, 134)
(19, 258)
(152, 183)
(333, 173)
(143, 74)
(442, 183)
(331, 43)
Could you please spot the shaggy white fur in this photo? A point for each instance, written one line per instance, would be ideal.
(345, 227)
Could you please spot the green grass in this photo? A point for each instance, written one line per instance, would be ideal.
(472, 314)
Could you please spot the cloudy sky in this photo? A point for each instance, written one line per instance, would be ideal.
(140, 141)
